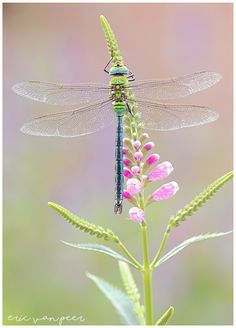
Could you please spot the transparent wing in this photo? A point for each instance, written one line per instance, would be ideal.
(72, 123)
(62, 94)
(176, 87)
(164, 117)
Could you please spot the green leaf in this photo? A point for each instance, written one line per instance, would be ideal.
(84, 225)
(119, 300)
(188, 242)
(199, 201)
(101, 249)
(165, 317)
(132, 291)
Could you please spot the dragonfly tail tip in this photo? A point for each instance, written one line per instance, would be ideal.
(118, 208)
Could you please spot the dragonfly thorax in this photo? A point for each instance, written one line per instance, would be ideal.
(118, 92)
(118, 70)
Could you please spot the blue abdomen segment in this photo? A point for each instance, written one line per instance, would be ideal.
(119, 180)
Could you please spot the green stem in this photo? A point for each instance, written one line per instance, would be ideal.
(147, 277)
(132, 259)
(163, 242)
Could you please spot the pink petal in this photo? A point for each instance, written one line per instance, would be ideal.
(127, 173)
(166, 191)
(134, 186)
(161, 171)
(136, 214)
(152, 159)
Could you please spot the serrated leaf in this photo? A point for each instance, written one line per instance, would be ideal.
(84, 225)
(119, 300)
(200, 200)
(101, 249)
(165, 317)
(188, 242)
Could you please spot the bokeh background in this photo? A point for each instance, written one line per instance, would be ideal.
(65, 43)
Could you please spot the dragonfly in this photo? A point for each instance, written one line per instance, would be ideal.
(94, 106)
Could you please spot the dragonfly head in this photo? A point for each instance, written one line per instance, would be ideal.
(118, 70)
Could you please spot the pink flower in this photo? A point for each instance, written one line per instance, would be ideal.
(152, 159)
(148, 146)
(160, 172)
(134, 186)
(127, 195)
(135, 170)
(126, 161)
(136, 144)
(127, 173)
(138, 156)
(136, 214)
(166, 191)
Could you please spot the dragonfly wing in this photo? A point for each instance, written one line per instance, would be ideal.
(164, 117)
(72, 123)
(176, 87)
(62, 94)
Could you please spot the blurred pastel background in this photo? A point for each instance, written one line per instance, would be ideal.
(65, 43)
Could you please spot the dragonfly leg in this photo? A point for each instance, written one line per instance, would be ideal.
(129, 109)
(105, 68)
(118, 208)
(131, 77)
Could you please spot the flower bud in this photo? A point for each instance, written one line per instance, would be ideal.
(127, 173)
(166, 191)
(149, 146)
(136, 214)
(135, 170)
(136, 144)
(143, 137)
(152, 159)
(138, 156)
(134, 186)
(127, 195)
(126, 161)
(128, 143)
(160, 172)
(125, 150)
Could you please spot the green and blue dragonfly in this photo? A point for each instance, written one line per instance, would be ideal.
(91, 107)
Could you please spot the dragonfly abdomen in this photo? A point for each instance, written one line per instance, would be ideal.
(119, 108)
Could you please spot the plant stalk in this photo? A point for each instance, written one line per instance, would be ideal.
(147, 277)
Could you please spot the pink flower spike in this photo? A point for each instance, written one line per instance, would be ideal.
(166, 191)
(149, 146)
(135, 170)
(138, 156)
(127, 195)
(126, 161)
(125, 151)
(127, 173)
(152, 159)
(161, 171)
(136, 214)
(137, 144)
(134, 186)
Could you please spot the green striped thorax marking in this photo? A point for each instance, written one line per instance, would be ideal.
(118, 91)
